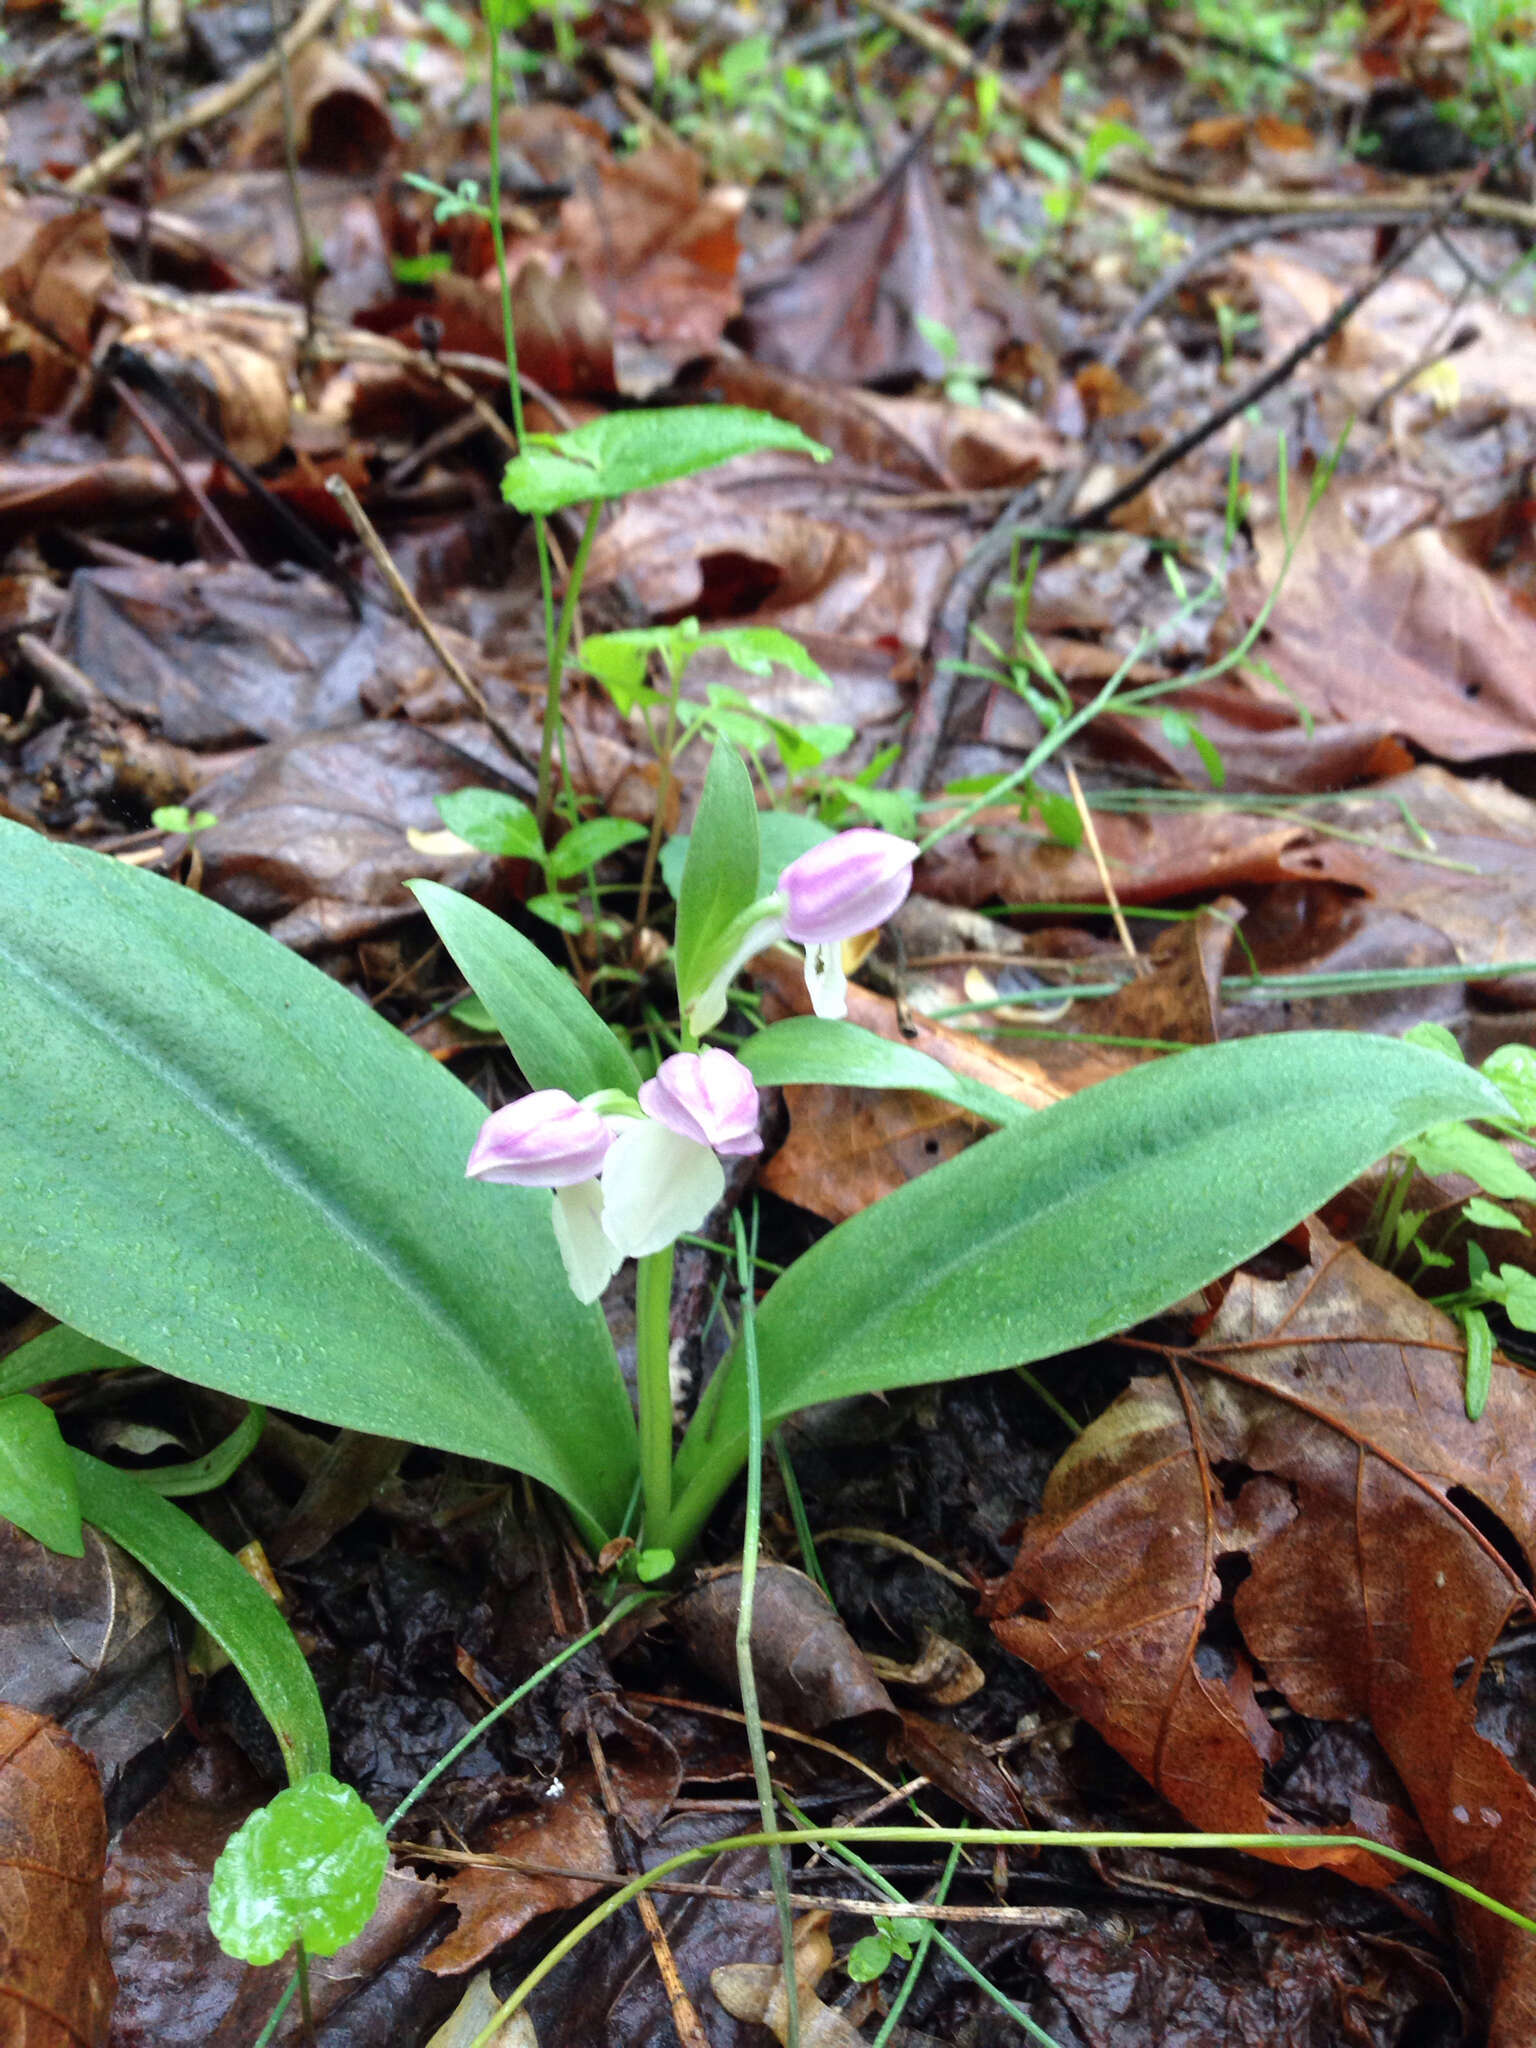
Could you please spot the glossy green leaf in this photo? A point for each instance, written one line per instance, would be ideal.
(215, 1590)
(822, 1050)
(720, 872)
(222, 1163)
(585, 845)
(635, 451)
(556, 1036)
(37, 1476)
(493, 821)
(305, 1867)
(1096, 1213)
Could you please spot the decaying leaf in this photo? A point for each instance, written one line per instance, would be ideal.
(757, 1991)
(56, 1984)
(1315, 1447)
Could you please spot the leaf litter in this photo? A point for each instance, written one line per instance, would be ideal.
(1278, 1573)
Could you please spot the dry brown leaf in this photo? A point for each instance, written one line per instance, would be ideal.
(846, 307)
(239, 386)
(756, 1991)
(56, 1984)
(340, 120)
(1410, 634)
(1318, 1438)
(849, 1146)
(55, 265)
(810, 1672)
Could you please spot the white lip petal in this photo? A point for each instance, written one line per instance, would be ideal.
(825, 979)
(656, 1185)
(590, 1256)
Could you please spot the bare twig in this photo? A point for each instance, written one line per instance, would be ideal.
(309, 270)
(685, 2016)
(405, 597)
(160, 442)
(211, 105)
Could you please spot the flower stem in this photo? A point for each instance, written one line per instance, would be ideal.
(653, 1382)
(509, 340)
(558, 646)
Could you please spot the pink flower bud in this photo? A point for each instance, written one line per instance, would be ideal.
(707, 1096)
(846, 885)
(547, 1140)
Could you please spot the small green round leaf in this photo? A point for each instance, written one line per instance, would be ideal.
(869, 1958)
(306, 1867)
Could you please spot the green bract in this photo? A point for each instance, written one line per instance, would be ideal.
(306, 1868)
(634, 451)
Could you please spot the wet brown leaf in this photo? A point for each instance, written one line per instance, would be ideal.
(56, 1984)
(810, 1672)
(757, 1991)
(1318, 1444)
(238, 384)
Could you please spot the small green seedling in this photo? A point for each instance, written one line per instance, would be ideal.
(305, 1869)
(873, 1956)
(177, 818)
(493, 822)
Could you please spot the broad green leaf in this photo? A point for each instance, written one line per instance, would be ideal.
(1488, 1215)
(492, 821)
(585, 845)
(218, 1592)
(556, 1036)
(1097, 1213)
(1513, 1068)
(619, 660)
(720, 873)
(822, 1050)
(635, 451)
(37, 1476)
(305, 1867)
(202, 1475)
(1435, 1038)
(223, 1164)
(57, 1355)
(782, 837)
(1456, 1148)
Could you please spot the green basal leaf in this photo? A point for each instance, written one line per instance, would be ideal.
(235, 1171)
(216, 1591)
(1456, 1148)
(37, 1476)
(57, 1355)
(202, 1475)
(493, 822)
(720, 873)
(556, 1036)
(1096, 1213)
(634, 451)
(306, 1867)
(823, 1050)
(585, 845)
